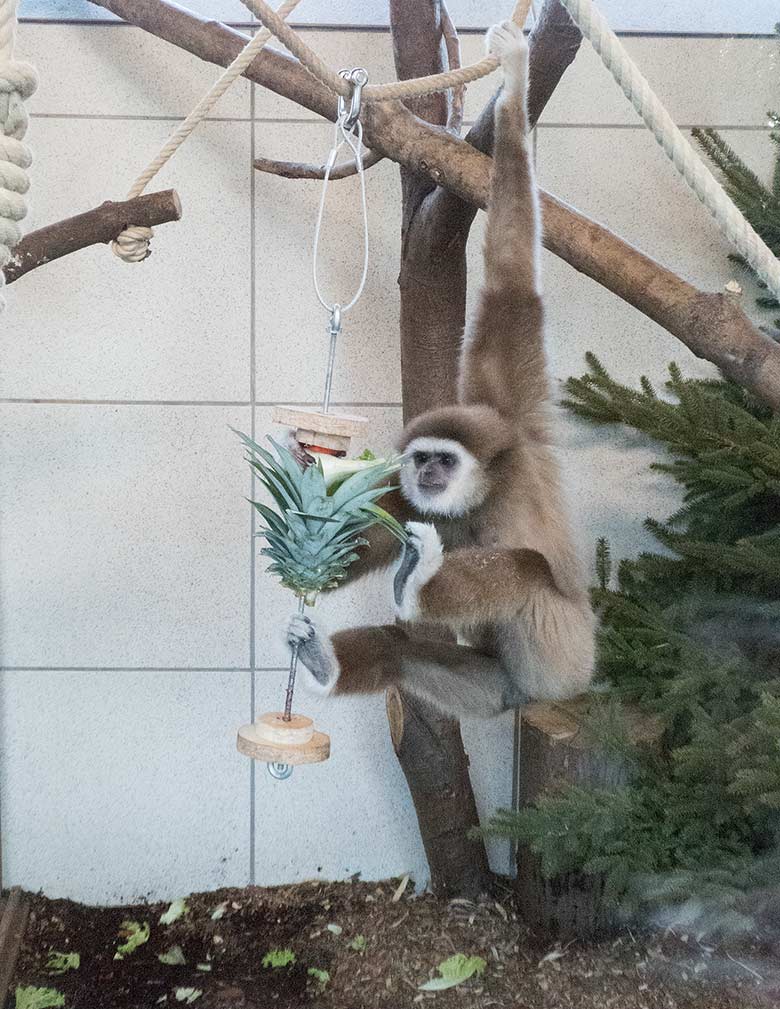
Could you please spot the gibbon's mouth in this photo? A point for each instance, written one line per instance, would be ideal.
(431, 489)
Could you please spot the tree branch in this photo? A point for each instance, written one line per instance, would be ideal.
(102, 224)
(300, 170)
(709, 325)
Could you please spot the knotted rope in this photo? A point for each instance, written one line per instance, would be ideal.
(17, 82)
(132, 245)
(677, 147)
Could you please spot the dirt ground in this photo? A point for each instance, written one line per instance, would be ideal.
(377, 946)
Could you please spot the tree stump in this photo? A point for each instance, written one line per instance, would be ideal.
(554, 749)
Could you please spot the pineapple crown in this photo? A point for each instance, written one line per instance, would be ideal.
(314, 530)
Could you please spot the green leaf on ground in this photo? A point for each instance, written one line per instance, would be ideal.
(176, 910)
(278, 958)
(174, 957)
(135, 935)
(454, 971)
(38, 998)
(58, 963)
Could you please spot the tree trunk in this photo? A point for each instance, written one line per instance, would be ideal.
(432, 283)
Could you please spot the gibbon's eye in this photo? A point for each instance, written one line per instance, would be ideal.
(448, 459)
(421, 458)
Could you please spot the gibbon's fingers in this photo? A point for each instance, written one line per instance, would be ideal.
(422, 558)
(315, 653)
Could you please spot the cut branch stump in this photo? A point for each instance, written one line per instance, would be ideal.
(556, 749)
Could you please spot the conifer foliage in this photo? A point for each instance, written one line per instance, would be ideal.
(691, 635)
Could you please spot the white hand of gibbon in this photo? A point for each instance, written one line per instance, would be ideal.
(420, 561)
(507, 43)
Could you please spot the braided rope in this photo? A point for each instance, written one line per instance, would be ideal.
(132, 245)
(17, 82)
(414, 88)
(677, 147)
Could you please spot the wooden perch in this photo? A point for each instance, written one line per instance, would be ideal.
(300, 170)
(711, 325)
(102, 224)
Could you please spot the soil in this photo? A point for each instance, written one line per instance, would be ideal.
(404, 938)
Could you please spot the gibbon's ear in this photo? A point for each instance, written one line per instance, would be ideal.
(481, 430)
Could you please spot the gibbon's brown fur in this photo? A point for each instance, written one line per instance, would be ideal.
(509, 579)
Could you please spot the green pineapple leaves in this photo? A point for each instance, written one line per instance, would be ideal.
(314, 531)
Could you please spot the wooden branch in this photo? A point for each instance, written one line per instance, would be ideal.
(711, 326)
(300, 170)
(102, 224)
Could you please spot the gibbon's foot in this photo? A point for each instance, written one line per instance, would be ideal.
(421, 559)
(315, 653)
(507, 43)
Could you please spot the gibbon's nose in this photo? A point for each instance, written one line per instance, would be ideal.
(432, 476)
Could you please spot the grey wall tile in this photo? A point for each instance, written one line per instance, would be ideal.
(125, 537)
(173, 327)
(90, 70)
(123, 786)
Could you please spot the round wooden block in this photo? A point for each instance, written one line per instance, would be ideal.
(272, 728)
(252, 743)
(344, 425)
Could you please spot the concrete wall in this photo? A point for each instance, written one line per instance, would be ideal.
(137, 628)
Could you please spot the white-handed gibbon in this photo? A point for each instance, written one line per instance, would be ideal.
(493, 556)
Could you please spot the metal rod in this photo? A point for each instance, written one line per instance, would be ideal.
(334, 329)
(293, 670)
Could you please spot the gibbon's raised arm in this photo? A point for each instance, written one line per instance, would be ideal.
(382, 547)
(503, 362)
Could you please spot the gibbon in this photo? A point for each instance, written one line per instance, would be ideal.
(490, 552)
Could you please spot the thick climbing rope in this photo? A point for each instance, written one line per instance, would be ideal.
(132, 244)
(677, 147)
(415, 88)
(17, 82)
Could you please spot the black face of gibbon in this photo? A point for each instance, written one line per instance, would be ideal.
(434, 470)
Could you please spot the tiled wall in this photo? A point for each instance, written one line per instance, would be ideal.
(137, 628)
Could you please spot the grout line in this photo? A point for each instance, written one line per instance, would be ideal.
(145, 119)
(252, 484)
(261, 404)
(138, 669)
(641, 126)
(385, 30)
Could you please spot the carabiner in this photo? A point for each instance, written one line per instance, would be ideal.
(358, 78)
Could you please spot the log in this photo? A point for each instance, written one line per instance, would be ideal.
(13, 922)
(555, 750)
(100, 225)
(430, 751)
(709, 324)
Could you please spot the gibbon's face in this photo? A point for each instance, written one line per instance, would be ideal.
(441, 477)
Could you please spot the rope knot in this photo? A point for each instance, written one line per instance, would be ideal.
(17, 77)
(132, 245)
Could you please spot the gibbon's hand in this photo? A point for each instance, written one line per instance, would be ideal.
(507, 43)
(315, 653)
(294, 447)
(421, 559)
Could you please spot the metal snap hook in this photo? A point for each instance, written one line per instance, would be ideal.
(280, 771)
(358, 78)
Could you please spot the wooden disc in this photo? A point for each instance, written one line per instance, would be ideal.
(272, 728)
(308, 419)
(252, 745)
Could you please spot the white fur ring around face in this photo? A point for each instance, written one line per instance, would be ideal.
(422, 559)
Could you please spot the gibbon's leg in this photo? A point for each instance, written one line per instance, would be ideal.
(457, 679)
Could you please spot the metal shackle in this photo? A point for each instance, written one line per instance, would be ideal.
(358, 78)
